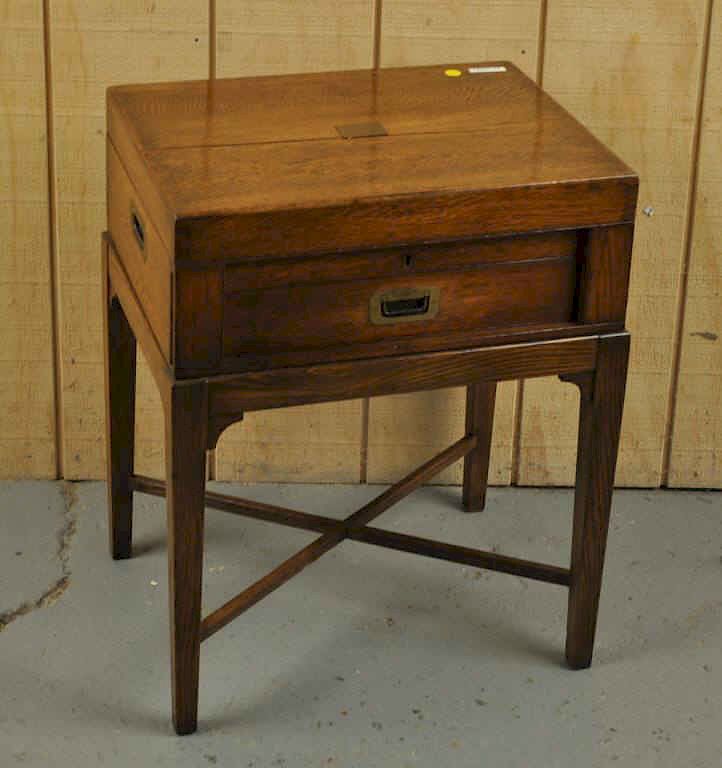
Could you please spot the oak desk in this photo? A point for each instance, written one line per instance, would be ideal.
(275, 241)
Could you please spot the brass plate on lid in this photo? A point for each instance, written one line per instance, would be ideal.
(361, 130)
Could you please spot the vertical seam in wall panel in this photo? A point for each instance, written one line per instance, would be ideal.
(364, 455)
(378, 18)
(519, 395)
(687, 249)
(212, 31)
(366, 402)
(541, 42)
(516, 426)
(52, 249)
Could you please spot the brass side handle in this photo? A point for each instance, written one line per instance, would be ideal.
(136, 224)
(404, 305)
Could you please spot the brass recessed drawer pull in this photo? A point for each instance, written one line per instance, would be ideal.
(419, 305)
(404, 305)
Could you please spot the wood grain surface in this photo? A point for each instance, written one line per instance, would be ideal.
(489, 150)
(480, 154)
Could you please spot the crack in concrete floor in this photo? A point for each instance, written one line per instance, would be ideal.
(65, 536)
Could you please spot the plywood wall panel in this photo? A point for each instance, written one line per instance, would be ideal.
(319, 442)
(149, 424)
(263, 37)
(27, 413)
(696, 449)
(95, 44)
(630, 72)
(303, 444)
(435, 31)
(406, 430)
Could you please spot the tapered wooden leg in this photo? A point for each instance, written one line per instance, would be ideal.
(186, 440)
(120, 366)
(480, 399)
(601, 403)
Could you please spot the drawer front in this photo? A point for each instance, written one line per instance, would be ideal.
(140, 250)
(413, 301)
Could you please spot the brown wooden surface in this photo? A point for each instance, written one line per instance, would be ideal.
(234, 394)
(148, 266)
(550, 187)
(370, 535)
(602, 400)
(604, 282)
(190, 409)
(186, 425)
(260, 273)
(282, 332)
(399, 216)
(203, 181)
(256, 510)
(198, 410)
(133, 310)
(454, 553)
(230, 396)
(120, 367)
(521, 176)
(487, 135)
(199, 313)
(275, 323)
(305, 317)
(309, 106)
(478, 337)
(480, 401)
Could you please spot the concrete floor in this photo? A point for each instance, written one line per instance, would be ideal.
(369, 657)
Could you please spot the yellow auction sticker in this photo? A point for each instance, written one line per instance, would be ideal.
(452, 72)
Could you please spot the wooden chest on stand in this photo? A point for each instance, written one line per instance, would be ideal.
(275, 241)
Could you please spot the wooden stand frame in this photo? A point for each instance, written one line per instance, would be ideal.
(197, 411)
